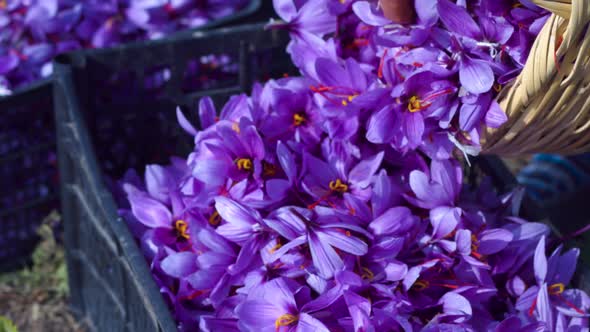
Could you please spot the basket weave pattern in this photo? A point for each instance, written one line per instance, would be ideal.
(548, 106)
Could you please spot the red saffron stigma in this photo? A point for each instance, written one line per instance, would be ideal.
(381, 64)
(571, 305)
(532, 309)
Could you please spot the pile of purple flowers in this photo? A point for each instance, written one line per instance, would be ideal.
(32, 32)
(333, 201)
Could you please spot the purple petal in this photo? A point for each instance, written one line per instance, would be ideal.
(325, 300)
(253, 141)
(379, 128)
(516, 286)
(385, 194)
(248, 253)
(540, 262)
(496, 29)
(476, 76)
(207, 112)
(331, 73)
(414, 128)
(314, 17)
(343, 241)
(544, 308)
(562, 268)
(458, 20)
(285, 9)
(493, 241)
(455, 305)
(309, 324)
(429, 194)
(7, 63)
(277, 189)
(362, 174)
(157, 182)
(233, 212)
(463, 239)
(526, 300)
(470, 115)
(360, 311)
(324, 257)
(286, 223)
(287, 161)
(369, 13)
(258, 314)
(278, 292)
(184, 123)
(427, 12)
(239, 220)
(391, 221)
(396, 271)
(211, 171)
(319, 173)
(444, 220)
(495, 117)
(449, 175)
(150, 212)
(212, 324)
(180, 265)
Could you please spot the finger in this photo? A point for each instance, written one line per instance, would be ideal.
(399, 11)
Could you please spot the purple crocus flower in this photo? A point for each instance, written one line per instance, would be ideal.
(243, 226)
(328, 183)
(310, 18)
(323, 233)
(274, 307)
(293, 116)
(549, 296)
(415, 101)
(237, 153)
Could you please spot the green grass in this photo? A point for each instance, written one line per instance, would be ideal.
(48, 270)
(6, 325)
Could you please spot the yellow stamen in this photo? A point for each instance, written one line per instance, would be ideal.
(348, 100)
(244, 164)
(3, 4)
(474, 243)
(215, 218)
(367, 274)
(298, 119)
(556, 289)
(275, 248)
(415, 104)
(236, 127)
(338, 186)
(181, 229)
(285, 320)
(421, 285)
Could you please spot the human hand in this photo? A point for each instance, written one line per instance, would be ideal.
(399, 11)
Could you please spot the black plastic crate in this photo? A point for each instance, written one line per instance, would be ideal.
(28, 170)
(29, 183)
(101, 135)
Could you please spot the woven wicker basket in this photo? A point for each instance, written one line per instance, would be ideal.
(548, 106)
